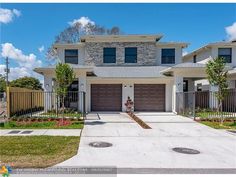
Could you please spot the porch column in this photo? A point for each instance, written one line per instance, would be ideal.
(189, 100)
(177, 94)
(47, 93)
(127, 91)
(213, 102)
(82, 88)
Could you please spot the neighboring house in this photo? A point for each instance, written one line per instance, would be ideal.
(210, 51)
(111, 68)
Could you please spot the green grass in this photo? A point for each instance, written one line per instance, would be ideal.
(37, 151)
(216, 125)
(41, 125)
(211, 114)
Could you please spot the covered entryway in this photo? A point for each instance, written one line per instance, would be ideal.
(149, 97)
(106, 97)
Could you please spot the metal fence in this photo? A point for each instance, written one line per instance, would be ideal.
(3, 105)
(204, 104)
(39, 104)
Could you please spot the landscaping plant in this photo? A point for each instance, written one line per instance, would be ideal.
(217, 76)
(64, 78)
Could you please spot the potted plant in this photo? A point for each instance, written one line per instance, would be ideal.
(129, 105)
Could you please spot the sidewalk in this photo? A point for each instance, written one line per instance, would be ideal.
(38, 132)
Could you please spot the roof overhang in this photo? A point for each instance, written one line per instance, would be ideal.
(121, 38)
(209, 46)
(172, 44)
(50, 70)
(129, 71)
(71, 46)
(186, 70)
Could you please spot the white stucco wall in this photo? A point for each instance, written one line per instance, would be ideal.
(81, 54)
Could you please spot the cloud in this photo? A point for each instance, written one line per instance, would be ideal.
(16, 12)
(184, 53)
(7, 15)
(41, 49)
(25, 63)
(231, 32)
(84, 21)
(28, 61)
(18, 72)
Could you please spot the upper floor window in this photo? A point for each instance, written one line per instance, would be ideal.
(71, 56)
(194, 58)
(131, 55)
(168, 56)
(109, 55)
(225, 53)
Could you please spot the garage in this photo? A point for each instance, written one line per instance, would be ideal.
(149, 97)
(106, 97)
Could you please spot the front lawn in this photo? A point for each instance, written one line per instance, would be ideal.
(43, 124)
(37, 151)
(216, 125)
(213, 114)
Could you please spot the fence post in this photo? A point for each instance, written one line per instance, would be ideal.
(194, 105)
(84, 111)
(31, 104)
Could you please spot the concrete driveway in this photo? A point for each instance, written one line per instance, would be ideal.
(135, 147)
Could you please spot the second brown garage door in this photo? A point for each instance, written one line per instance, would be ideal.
(149, 97)
(106, 97)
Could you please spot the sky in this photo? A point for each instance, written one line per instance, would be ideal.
(27, 30)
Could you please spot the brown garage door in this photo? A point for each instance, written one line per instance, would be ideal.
(106, 97)
(149, 97)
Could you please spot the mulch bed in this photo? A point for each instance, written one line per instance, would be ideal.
(139, 121)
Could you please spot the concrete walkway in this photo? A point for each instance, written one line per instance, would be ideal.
(33, 132)
(134, 147)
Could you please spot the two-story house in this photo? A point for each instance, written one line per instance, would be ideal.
(114, 67)
(202, 55)
(109, 69)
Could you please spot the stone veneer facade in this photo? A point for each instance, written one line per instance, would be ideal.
(146, 53)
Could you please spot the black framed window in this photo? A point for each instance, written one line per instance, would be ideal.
(71, 56)
(194, 58)
(168, 56)
(131, 55)
(225, 53)
(109, 55)
(185, 85)
(199, 87)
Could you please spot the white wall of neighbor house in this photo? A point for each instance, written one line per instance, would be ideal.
(61, 54)
(128, 89)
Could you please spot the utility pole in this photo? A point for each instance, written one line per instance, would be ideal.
(7, 71)
(7, 84)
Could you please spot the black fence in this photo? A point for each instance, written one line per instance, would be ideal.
(39, 104)
(204, 104)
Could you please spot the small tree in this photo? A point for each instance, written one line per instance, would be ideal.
(27, 82)
(217, 76)
(64, 77)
